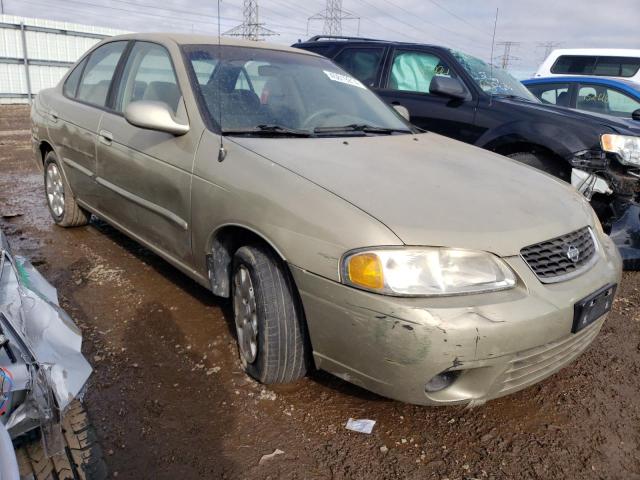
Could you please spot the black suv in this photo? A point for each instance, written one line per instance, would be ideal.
(454, 94)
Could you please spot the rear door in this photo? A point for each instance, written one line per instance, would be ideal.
(406, 82)
(363, 62)
(146, 174)
(74, 117)
(560, 94)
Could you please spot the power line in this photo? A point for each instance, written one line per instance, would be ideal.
(332, 16)
(251, 28)
(458, 17)
(419, 28)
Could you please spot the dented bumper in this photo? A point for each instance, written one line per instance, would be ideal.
(501, 342)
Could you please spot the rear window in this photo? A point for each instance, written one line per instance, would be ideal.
(595, 65)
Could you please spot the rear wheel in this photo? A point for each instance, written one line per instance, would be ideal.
(542, 162)
(269, 321)
(82, 457)
(62, 205)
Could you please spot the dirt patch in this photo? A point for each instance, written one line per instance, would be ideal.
(169, 399)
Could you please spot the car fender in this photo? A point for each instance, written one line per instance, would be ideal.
(560, 140)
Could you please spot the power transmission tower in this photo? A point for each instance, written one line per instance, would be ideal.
(250, 28)
(332, 16)
(507, 58)
(548, 47)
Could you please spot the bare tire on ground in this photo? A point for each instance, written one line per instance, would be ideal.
(62, 205)
(269, 321)
(81, 460)
(542, 162)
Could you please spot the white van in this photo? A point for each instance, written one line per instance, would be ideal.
(597, 62)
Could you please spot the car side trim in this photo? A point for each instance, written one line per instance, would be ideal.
(78, 167)
(169, 215)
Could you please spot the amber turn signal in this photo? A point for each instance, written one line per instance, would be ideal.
(365, 270)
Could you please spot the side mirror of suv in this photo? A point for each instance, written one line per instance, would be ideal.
(447, 87)
(153, 116)
(636, 114)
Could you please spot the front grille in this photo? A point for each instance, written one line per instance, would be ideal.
(562, 257)
(533, 365)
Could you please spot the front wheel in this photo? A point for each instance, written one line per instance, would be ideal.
(269, 322)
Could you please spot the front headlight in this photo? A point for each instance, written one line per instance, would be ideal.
(626, 147)
(426, 271)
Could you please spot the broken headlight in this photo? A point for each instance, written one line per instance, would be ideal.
(625, 146)
(426, 271)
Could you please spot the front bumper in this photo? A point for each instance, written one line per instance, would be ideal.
(502, 341)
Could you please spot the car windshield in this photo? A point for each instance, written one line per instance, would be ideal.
(258, 91)
(493, 80)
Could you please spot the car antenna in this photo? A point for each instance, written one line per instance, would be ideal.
(493, 43)
(222, 152)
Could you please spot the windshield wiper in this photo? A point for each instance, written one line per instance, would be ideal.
(358, 127)
(268, 130)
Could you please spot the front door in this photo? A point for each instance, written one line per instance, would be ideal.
(148, 172)
(407, 83)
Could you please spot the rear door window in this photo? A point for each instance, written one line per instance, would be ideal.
(413, 71)
(361, 62)
(553, 93)
(71, 83)
(98, 74)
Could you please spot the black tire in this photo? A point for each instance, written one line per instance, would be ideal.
(282, 352)
(81, 460)
(72, 214)
(542, 162)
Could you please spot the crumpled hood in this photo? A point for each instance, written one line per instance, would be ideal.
(431, 190)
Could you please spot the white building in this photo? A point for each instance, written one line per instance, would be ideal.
(36, 53)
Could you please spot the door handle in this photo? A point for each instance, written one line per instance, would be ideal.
(105, 137)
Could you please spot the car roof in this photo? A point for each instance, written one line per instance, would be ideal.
(629, 86)
(192, 39)
(606, 52)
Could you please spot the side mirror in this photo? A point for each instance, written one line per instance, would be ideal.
(153, 116)
(447, 87)
(403, 111)
(636, 114)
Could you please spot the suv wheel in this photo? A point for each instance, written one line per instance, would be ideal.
(62, 205)
(269, 321)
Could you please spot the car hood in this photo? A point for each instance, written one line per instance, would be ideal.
(431, 190)
(621, 125)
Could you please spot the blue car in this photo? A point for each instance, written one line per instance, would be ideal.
(620, 98)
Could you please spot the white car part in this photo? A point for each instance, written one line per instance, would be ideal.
(8, 461)
(589, 183)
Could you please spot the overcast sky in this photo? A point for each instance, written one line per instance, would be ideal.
(463, 24)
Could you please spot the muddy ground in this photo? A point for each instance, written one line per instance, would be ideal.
(169, 399)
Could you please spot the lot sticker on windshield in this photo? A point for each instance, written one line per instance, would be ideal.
(338, 77)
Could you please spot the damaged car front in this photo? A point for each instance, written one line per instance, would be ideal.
(609, 176)
(42, 374)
